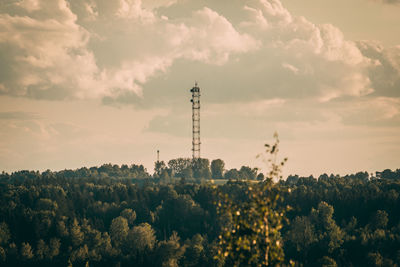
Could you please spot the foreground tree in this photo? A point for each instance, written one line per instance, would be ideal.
(253, 220)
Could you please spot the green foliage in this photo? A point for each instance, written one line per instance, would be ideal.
(159, 167)
(194, 252)
(232, 174)
(217, 168)
(4, 234)
(142, 238)
(380, 220)
(129, 215)
(270, 158)
(251, 231)
(327, 262)
(247, 173)
(119, 230)
(302, 235)
(169, 252)
(76, 234)
(251, 234)
(120, 216)
(179, 165)
(26, 251)
(201, 168)
(329, 235)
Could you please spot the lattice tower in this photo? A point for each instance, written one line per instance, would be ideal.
(195, 121)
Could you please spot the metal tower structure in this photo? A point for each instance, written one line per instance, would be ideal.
(195, 121)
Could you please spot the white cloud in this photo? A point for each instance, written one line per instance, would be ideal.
(106, 47)
(45, 52)
(83, 49)
(332, 65)
(211, 38)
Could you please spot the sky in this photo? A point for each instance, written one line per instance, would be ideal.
(88, 82)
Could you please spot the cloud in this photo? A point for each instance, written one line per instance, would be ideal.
(294, 58)
(385, 70)
(104, 48)
(133, 51)
(372, 112)
(390, 2)
(17, 115)
(330, 65)
(44, 51)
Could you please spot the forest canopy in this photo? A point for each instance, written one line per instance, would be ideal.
(122, 216)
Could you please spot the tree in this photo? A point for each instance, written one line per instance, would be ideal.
(141, 238)
(201, 168)
(330, 236)
(292, 179)
(62, 228)
(3, 255)
(26, 251)
(159, 166)
(247, 173)
(194, 251)
(130, 215)
(178, 165)
(380, 220)
(4, 233)
(375, 259)
(388, 174)
(232, 174)
(169, 251)
(54, 248)
(301, 234)
(260, 177)
(106, 247)
(327, 262)
(217, 168)
(76, 234)
(46, 204)
(164, 176)
(80, 254)
(41, 249)
(362, 176)
(187, 173)
(119, 230)
(251, 233)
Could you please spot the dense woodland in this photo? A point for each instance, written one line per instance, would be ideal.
(123, 216)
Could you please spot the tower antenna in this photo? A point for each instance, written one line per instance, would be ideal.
(195, 121)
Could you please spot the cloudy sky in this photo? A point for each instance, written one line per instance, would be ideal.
(87, 82)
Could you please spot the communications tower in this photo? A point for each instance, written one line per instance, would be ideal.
(195, 121)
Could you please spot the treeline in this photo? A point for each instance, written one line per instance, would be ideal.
(192, 169)
(202, 169)
(123, 216)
